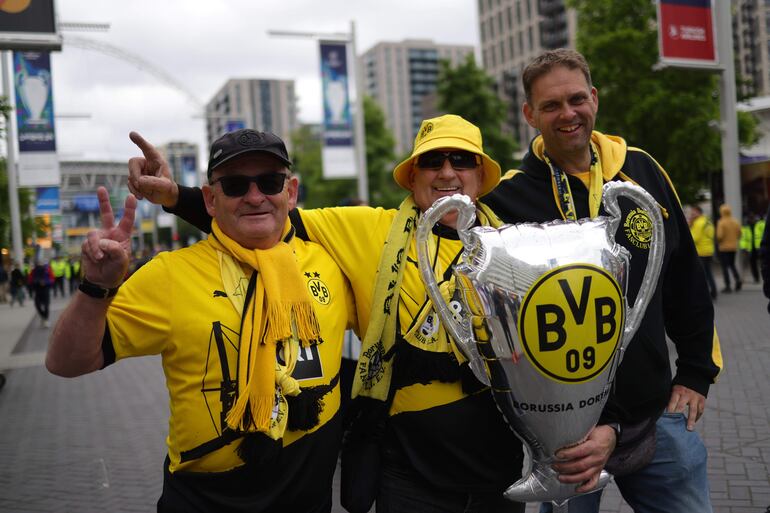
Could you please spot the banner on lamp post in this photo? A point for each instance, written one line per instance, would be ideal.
(338, 156)
(47, 201)
(38, 163)
(686, 34)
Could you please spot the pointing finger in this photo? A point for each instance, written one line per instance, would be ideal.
(148, 149)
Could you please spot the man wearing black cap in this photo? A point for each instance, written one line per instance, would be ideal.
(249, 324)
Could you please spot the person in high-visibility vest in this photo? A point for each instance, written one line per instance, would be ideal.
(759, 231)
(764, 259)
(74, 274)
(59, 268)
(748, 245)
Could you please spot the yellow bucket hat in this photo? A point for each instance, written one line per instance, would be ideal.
(449, 131)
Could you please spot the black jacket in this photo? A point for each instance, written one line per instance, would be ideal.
(680, 307)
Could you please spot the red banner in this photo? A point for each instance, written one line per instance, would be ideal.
(686, 32)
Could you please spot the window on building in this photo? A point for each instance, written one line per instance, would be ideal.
(531, 39)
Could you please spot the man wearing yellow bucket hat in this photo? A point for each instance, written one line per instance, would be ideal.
(442, 445)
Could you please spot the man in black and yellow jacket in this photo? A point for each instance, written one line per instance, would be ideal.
(249, 325)
(561, 177)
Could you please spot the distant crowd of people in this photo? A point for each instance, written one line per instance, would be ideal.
(724, 240)
(59, 276)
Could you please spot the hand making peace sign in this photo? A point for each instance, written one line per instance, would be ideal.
(107, 251)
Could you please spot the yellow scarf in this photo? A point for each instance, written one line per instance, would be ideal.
(375, 363)
(276, 311)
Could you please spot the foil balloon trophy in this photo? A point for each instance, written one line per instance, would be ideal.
(545, 321)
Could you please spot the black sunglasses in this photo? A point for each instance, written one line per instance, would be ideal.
(458, 159)
(238, 185)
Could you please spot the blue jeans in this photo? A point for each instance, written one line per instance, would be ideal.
(675, 481)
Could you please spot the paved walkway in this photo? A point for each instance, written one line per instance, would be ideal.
(96, 443)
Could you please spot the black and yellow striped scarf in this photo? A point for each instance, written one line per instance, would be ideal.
(374, 365)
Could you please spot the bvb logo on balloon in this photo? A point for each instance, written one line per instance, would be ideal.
(571, 322)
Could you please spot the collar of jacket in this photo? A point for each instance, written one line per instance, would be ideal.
(611, 148)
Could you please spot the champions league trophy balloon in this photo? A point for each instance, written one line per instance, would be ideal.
(545, 320)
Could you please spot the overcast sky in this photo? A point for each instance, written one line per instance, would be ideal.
(204, 43)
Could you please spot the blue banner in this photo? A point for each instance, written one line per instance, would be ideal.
(337, 121)
(86, 203)
(47, 201)
(34, 101)
(189, 171)
(233, 125)
(338, 157)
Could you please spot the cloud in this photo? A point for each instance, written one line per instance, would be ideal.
(203, 44)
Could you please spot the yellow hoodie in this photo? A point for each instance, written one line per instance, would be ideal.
(703, 234)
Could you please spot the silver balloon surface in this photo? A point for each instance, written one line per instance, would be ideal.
(547, 321)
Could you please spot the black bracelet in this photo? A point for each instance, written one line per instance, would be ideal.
(96, 291)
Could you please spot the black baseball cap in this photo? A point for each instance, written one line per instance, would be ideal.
(245, 140)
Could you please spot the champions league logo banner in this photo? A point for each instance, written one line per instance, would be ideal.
(38, 163)
(337, 150)
(686, 32)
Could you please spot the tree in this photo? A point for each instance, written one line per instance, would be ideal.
(669, 112)
(380, 159)
(468, 91)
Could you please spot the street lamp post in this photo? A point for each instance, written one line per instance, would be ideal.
(360, 132)
(13, 195)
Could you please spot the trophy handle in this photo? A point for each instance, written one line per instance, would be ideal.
(657, 246)
(459, 331)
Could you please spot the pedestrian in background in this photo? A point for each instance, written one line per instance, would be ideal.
(702, 231)
(59, 266)
(764, 259)
(74, 274)
(41, 278)
(3, 283)
(728, 235)
(749, 245)
(18, 280)
(758, 233)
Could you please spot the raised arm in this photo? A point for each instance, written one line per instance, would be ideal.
(75, 347)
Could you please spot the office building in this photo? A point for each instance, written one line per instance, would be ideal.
(513, 32)
(399, 76)
(265, 105)
(751, 38)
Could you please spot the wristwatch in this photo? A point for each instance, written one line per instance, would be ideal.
(96, 291)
